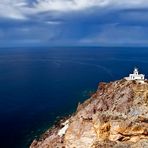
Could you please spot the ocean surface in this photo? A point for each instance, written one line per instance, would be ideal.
(40, 85)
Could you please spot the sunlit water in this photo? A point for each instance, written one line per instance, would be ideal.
(37, 85)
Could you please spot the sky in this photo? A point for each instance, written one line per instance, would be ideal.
(73, 22)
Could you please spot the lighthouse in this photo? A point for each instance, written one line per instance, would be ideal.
(135, 76)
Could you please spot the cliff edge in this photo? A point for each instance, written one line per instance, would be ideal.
(116, 116)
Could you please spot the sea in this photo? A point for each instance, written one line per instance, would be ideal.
(40, 85)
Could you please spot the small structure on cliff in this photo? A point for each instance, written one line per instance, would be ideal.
(136, 76)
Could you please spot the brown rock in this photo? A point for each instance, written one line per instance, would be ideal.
(115, 116)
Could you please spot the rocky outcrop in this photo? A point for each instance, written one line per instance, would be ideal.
(115, 116)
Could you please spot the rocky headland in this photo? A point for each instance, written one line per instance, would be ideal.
(116, 116)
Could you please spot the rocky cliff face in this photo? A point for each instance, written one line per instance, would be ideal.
(115, 116)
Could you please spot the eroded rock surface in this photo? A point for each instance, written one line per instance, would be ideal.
(115, 116)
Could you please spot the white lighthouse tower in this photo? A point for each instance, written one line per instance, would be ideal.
(136, 76)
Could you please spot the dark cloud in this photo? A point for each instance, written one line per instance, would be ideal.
(106, 25)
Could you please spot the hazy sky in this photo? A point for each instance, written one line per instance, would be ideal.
(73, 22)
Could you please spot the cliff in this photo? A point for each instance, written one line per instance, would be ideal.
(115, 116)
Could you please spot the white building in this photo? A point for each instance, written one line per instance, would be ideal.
(135, 76)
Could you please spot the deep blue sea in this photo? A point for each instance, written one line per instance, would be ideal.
(39, 85)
